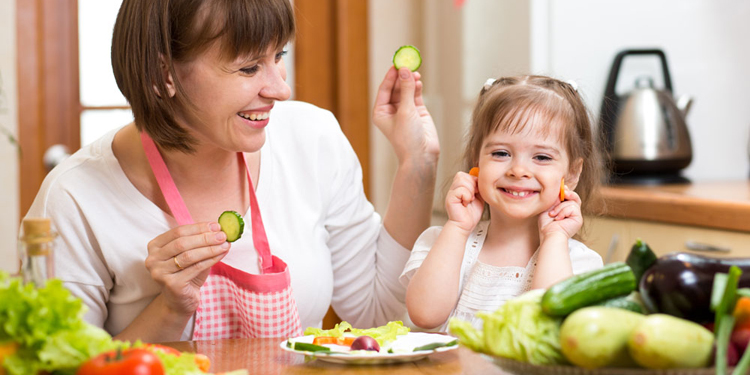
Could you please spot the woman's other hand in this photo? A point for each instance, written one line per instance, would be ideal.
(180, 259)
(401, 115)
(564, 217)
(463, 203)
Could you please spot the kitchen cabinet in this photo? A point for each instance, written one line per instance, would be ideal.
(662, 237)
(669, 217)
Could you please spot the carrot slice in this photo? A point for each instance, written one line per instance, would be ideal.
(322, 340)
(474, 171)
(562, 189)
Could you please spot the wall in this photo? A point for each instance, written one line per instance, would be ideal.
(575, 39)
(8, 152)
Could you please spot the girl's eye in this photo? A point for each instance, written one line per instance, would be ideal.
(250, 70)
(280, 55)
(500, 154)
(542, 158)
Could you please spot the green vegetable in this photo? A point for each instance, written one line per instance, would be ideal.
(383, 334)
(520, 330)
(232, 224)
(663, 341)
(469, 336)
(48, 325)
(407, 56)
(723, 299)
(640, 258)
(631, 302)
(589, 288)
(435, 345)
(305, 347)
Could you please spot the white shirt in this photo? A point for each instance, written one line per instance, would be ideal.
(315, 213)
(484, 287)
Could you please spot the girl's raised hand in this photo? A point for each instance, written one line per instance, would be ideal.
(463, 203)
(180, 259)
(563, 217)
(401, 115)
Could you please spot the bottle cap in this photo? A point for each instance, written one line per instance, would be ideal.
(37, 230)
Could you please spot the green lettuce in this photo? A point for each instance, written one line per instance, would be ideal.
(383, 334)
(518, 330)
(48, 325)
(468, 336)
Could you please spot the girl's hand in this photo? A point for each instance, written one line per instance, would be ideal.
(180, 259)
(463, 203)
(564, 217)
(401, 115)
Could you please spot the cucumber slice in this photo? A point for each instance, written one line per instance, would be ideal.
(407, 56)
(231, 224)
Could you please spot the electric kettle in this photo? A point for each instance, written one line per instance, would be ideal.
(644, 131)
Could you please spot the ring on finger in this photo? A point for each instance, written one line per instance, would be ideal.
(176, 263)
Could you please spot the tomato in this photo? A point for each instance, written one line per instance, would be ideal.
(123, 362)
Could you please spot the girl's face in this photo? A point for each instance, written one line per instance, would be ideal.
(519, 174)
(233, 100)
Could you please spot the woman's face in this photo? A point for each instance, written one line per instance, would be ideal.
(233, 99)
(519, 174)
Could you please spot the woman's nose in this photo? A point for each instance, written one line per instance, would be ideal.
(275, 86)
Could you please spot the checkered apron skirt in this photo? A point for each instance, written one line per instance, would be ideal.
(233, 303)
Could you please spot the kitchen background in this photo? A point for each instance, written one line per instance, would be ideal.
(704, 41)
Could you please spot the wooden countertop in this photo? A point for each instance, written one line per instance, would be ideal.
(721, 205)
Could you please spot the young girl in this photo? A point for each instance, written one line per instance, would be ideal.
(528, 135)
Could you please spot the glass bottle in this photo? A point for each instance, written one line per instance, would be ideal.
(35, 247)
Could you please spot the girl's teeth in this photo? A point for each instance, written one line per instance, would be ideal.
(519, 194)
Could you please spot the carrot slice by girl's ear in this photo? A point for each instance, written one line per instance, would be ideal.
(562, 189)
(474, 171)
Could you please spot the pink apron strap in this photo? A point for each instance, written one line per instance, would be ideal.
(165, 181)
(180, 212)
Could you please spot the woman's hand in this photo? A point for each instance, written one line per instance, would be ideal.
(401, 115)
(564, 217)
(180, 259)
(463, 203)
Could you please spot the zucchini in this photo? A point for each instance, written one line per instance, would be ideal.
(613, 280)
(407, 56)
(640, 258)
(232, 224)
(435, 345)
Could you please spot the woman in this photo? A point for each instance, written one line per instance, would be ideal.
(212, 132)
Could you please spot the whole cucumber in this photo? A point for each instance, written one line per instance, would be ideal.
(640, 258)
(589, 288)
(663, 341)
(594, 337)
(679, 284)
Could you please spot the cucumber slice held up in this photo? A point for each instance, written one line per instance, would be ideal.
(407, 56)
(232, 224)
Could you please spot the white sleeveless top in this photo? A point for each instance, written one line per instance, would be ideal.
(484, 287)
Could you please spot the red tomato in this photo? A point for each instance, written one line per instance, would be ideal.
(162, 349)
(125, 362)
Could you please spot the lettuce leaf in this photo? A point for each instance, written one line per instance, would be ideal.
(520, 330)
(382, 334)
(468, 336)
(48, 325)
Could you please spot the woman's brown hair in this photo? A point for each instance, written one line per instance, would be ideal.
(511, 103)
(150, 35)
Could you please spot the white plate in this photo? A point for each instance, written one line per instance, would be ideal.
(403, 348)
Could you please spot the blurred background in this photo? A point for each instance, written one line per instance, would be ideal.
(56, 85)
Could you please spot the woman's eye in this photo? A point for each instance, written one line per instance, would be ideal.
(280, 55)
(250, 70)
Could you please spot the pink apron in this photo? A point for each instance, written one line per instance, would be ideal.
(235, 304)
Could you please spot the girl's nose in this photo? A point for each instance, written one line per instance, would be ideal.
(518, 170)
(275, 83)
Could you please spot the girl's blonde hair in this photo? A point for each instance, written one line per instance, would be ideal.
(511, 103)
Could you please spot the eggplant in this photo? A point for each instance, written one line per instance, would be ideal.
(680, 284)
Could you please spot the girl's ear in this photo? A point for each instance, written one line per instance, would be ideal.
(167, 77)
(575, 172)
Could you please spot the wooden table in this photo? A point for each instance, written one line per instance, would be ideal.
(263, 356)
